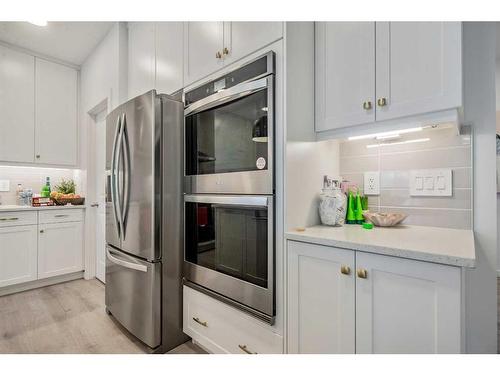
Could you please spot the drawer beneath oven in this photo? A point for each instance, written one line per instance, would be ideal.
(223, 329)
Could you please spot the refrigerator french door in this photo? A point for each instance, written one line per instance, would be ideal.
(144, 218)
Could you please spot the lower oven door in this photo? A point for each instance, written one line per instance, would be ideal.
(229, 247)
(133, 295)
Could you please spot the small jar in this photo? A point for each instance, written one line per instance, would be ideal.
(332, 206)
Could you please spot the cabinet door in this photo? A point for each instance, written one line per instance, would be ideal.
(345, 74)
(419, 67)
(17, 106)
(407, 306)
(169, 57)
(55, 113)
(202, 41)
(60, 249)
(141, 58)
(244, 38)
(320, 299)
(18, 254)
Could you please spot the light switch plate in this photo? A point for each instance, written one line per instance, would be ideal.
(371, 184)
(431, 183)
(4, 185)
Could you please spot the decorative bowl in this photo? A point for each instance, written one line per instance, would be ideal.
(65, 201)
(388, 219)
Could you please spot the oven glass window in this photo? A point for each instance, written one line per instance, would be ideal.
(228, 239)
(230, 138)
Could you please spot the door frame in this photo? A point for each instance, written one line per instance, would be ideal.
(90, 255)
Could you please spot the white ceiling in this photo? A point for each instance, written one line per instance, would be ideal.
(68, 41)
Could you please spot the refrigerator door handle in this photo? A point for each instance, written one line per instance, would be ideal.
(114, 182)
(126, 175)
(113, 257)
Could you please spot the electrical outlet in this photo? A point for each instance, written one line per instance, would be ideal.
(4, 185)
(372, 183)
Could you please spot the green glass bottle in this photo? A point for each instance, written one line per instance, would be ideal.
(351, 209)
(359, 210)
(46, 190)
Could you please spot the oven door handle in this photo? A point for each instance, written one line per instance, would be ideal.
(227, 95)
(249, 200)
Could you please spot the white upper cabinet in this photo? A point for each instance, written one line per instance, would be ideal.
(169, 57)
(321, 315)
(243, 38)
(345, 74)
(369, 72)
(209, 46)
(203, 45)
(419, 68)
(407, 306)
(17, 106)
(55, 113)
(141, 58)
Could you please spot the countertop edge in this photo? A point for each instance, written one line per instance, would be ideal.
(43, 208)
(376, 249)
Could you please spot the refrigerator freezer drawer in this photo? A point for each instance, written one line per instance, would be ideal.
(133, 295)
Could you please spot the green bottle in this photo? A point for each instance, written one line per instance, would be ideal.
(359, 210)
(351, 209)
(45, 193)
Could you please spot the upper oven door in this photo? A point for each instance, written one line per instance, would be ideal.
(229, 140)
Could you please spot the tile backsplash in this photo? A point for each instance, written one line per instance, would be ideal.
(34, 178)
(440, 147)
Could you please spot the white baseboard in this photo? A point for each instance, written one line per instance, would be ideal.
(11, 289)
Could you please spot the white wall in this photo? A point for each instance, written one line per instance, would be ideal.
(479, 110)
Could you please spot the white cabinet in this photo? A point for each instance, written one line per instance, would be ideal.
(383, 305)
(169, 57)
(209, 46)
(406, 306)
(221, 328)
(243, 38)
(60, 249)
(141, 58)
(17, 106)
(320, 299)
(419, 67)
(369, 72)
(18, 254)
(55, 113)
(345, 74)
(203, 45)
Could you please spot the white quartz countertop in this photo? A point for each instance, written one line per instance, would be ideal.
(431, 244)
(12, 207)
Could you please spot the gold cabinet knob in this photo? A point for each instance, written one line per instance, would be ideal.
(38, 156)
(382, 102)
(218, 55)
(345, 270)
(367, 105)
(362, 273)
(197, 320)
(225, 51)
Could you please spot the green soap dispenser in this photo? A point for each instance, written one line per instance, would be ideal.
(359, 210)
(351, 209)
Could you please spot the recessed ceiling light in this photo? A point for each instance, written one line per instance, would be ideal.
(38, 23)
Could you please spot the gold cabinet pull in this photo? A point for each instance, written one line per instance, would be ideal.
(197, 320)
(245, 349)
(346, 270)
(362, 273)
(225, 51)
(382, 102)
(367, 105)
(218, 55)
(9, 218)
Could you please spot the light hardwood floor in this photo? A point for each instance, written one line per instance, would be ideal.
(66, 318)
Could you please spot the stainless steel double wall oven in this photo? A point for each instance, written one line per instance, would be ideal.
(229, 203)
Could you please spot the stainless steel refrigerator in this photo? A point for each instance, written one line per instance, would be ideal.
(144, 218)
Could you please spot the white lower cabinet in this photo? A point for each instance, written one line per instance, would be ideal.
(222, 329)
(381, 304)
(18, 254)
(60, 249)
(320, 299)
